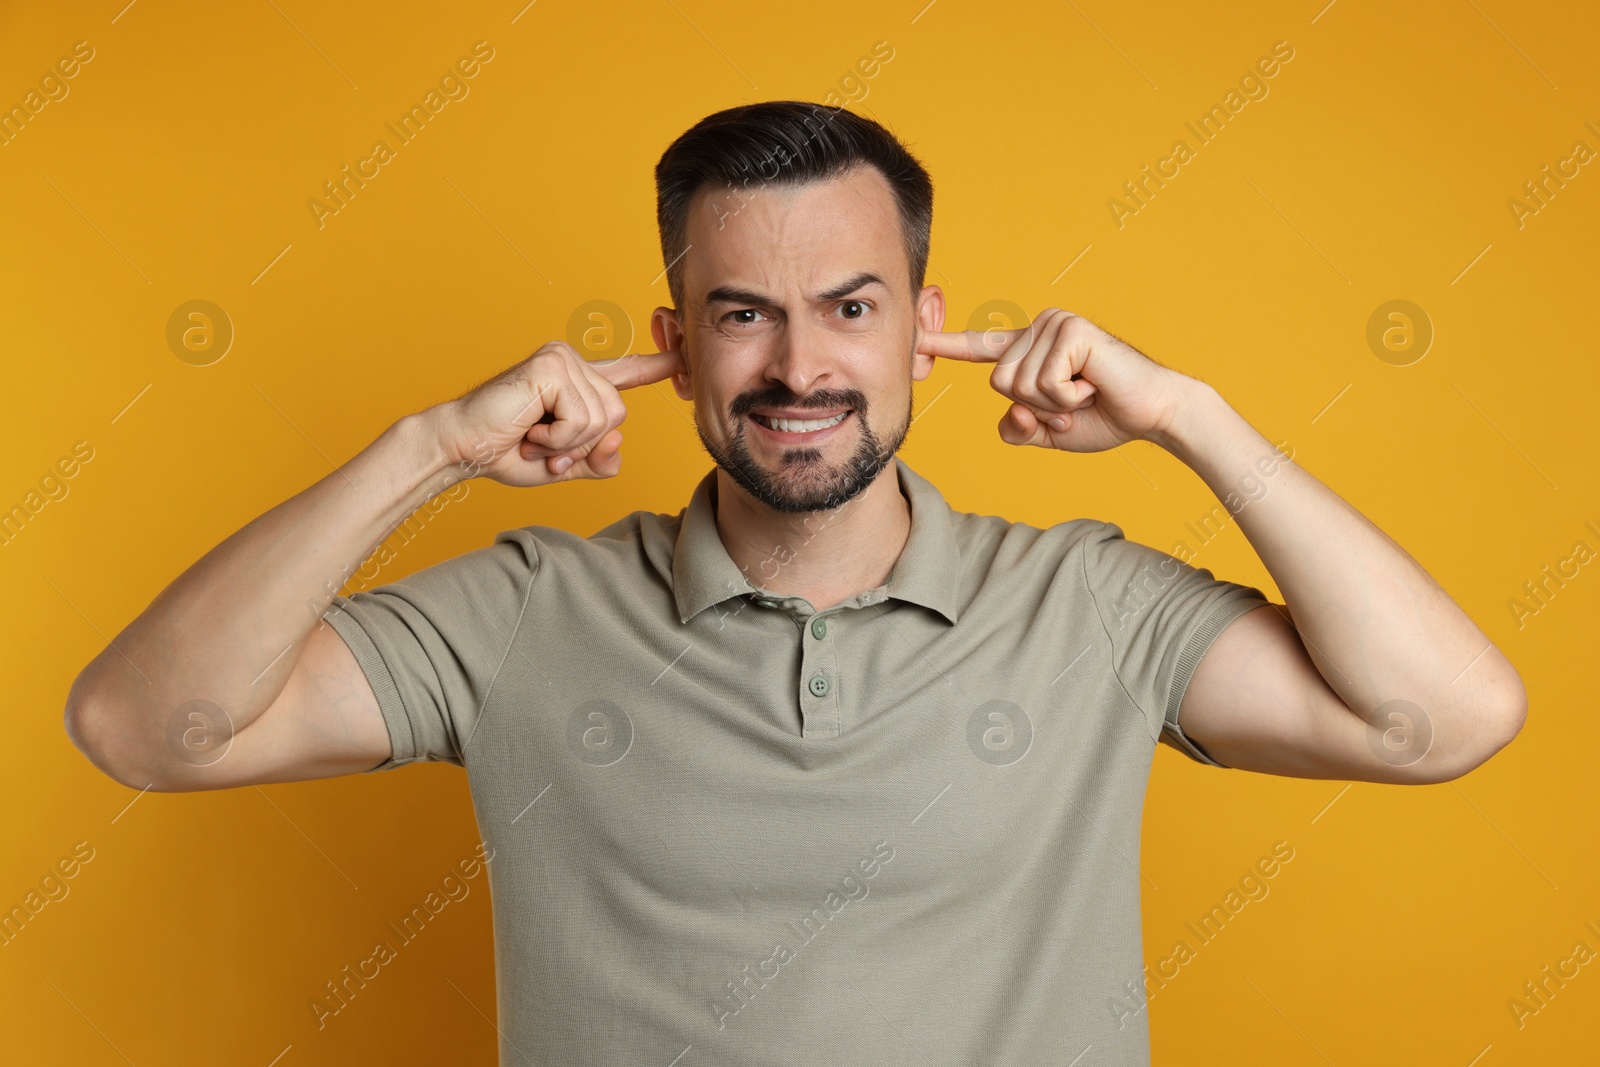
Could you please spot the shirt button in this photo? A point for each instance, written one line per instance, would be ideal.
(819, 686)
(819, 628)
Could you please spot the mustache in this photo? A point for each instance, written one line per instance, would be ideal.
(821, 400)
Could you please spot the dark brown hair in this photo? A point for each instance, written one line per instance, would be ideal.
(786, 142)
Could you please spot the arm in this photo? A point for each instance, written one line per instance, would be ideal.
(1369, 671)
(231, 676)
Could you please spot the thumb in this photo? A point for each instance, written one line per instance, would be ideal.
(1018, 425)
(603, 459)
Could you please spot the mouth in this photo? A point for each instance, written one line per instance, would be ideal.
(799, 430)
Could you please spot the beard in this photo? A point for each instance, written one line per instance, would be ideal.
(805, 481)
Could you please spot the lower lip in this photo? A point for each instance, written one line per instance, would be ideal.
(806, 438)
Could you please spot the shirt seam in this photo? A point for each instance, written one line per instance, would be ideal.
(516, 629)
(1083, 559)
(1171, 727)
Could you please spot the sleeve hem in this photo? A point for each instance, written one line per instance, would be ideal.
(401, 737)
(1189, 659)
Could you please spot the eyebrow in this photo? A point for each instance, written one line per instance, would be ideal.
(728, 294)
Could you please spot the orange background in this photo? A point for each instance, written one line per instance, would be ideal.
(1378, 167)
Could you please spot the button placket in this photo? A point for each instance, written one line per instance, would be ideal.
(819, 681)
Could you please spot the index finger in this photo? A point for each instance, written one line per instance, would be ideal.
(626, 372)
(976, 346)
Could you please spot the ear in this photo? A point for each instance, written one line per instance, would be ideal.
(667, 332)
(930, 319)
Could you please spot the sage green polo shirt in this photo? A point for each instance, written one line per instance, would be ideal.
(730, 829)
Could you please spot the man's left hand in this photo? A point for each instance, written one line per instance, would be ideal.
(1073, 386)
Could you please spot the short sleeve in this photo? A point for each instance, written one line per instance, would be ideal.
(1161, 615)
(432, 643)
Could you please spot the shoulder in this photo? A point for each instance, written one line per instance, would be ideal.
(992, 542)
(637, 539)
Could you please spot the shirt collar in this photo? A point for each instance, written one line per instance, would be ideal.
(926, 572)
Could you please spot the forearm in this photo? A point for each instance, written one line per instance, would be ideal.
(1376, 625)
(230, 628)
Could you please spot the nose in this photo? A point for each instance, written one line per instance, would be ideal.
(800, 357)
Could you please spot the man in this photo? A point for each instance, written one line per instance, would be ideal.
(817, 770)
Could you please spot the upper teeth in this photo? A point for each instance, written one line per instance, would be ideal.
(801, 425)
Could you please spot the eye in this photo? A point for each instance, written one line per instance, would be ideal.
(862, 305)
(742, 311)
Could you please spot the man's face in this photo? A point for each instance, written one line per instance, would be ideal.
(799, 336)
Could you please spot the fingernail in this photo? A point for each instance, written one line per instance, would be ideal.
(1058, 422)
(561, 464)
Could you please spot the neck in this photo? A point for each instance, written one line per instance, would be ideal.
(824, 556)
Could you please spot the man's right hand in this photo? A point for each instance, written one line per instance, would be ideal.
(229, 650)
(550, 418)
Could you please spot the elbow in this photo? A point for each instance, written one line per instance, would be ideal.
(1499, 728)
(89, 731)
(85, 731)
(1515, 715)
(1485, 733)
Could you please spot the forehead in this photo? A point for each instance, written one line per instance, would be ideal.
(796, 239)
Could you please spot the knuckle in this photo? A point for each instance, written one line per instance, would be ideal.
(551, 354)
